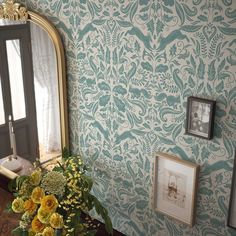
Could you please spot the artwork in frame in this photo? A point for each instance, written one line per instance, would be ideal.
(232, 202)
(175, 187)
(200, 117)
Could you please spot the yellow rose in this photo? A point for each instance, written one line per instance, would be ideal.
(48, 231)
(56, 221)
(30, 206)
(44, 216)
(35, 177)
(37, 195)
(36, 225)
(49, 203)
(18, 205)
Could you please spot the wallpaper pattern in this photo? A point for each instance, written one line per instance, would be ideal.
(131, 66)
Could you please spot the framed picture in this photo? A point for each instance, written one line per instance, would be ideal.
(232, 202)
(200, 117)
(175, 184)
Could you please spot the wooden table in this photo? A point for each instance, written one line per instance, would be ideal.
(8, 221)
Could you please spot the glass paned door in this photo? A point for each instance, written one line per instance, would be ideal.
(18, 96)
(16, 78)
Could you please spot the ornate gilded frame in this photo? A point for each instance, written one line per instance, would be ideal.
(15, 11)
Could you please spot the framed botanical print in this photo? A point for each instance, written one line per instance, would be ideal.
(200, 117)
(175, 187)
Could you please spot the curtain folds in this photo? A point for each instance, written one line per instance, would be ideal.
(46, 90)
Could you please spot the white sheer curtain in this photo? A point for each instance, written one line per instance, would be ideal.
(46, 90)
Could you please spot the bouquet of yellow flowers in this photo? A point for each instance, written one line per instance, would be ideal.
(54, 202)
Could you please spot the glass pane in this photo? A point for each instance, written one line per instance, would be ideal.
(16, 78)
(2, 113)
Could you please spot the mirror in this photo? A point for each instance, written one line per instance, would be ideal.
(49, 85)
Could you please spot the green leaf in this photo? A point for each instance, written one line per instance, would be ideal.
(141, 204)
(191, 28)
(166, 141)
(17, 231)
(180, 12)
(220, 87)
(147, 66)
(150, 26)
(132, 71)
(104, 86)
(12, 185)
(124, 24)
(8, 208)
(201, 69)
(118, 158)
(119, 104)
(57, 169)
(147, 165)
(65, 153)
(198, 48)
(103, 100)
(141, 192)
(103, 212)
(209, 88)
(193, 62)
(133, 10)
(108, 55)
(188, 11)
(99, 22)
(93, 65)
(114, 56)
(200, 87)
(177, 79)
(218, 18)
(20, 180)
(227, 30)
(177, 130)
(211, 71)
(130, 170)
(202, 18)
(121, 69)
(221, 66)
(87, 182)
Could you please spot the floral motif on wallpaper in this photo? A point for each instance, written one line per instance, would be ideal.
(131, 66)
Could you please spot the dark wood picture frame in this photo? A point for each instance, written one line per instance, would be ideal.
(200, 117)
(231, 222)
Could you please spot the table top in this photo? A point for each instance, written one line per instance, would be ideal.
(8, 221)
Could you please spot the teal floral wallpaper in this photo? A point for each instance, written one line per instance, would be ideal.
(131, 66)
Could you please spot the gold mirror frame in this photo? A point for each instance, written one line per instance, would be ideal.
(16, 12)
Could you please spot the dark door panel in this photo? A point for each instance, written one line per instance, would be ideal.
(25, 129)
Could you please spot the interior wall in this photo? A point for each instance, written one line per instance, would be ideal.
(131, 66)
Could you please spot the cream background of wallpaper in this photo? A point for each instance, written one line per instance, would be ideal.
(130, 67)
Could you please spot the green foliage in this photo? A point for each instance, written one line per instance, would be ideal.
(17, 231)
(81, 185)
(8, 208)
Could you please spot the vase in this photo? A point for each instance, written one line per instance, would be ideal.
(24, 233)
(58, 232)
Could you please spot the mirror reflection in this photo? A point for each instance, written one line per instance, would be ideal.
(33, 121)
(46, 93)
